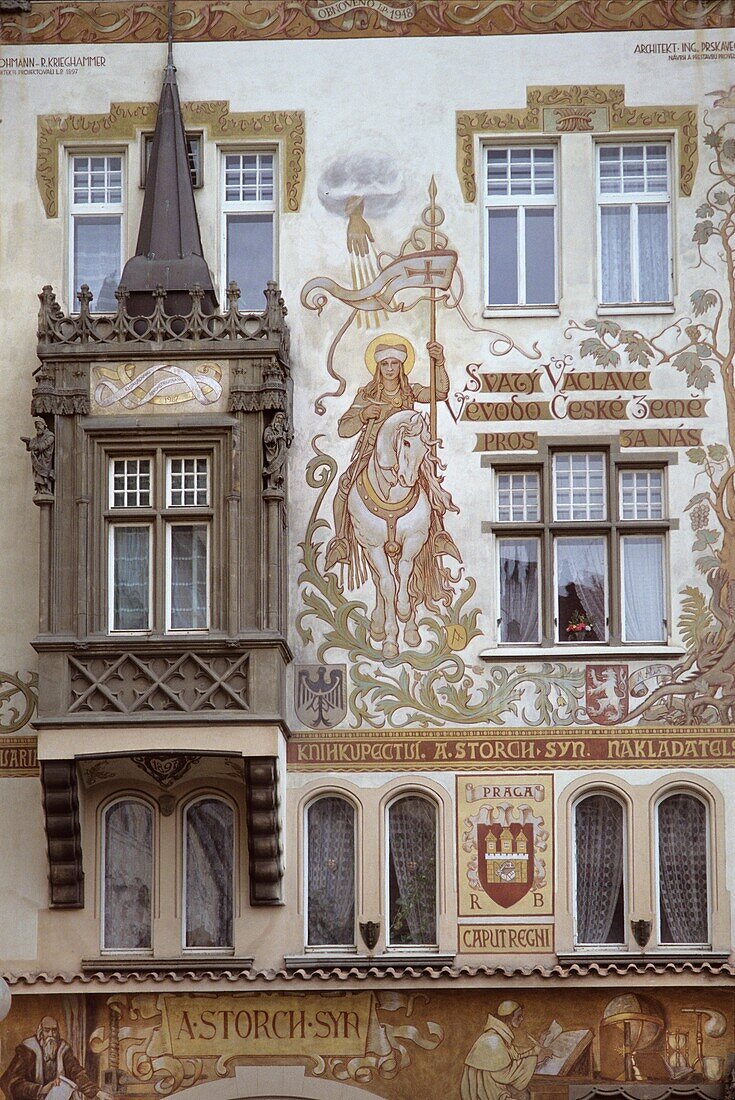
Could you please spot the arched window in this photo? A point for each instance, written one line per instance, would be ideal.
(330, 864)
(209, 844)
(412, 861)
(127, 886)
(599, 855)
(683, 872)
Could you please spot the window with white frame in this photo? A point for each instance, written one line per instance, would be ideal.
(412, 872)
(127, 876)
(248, 223)
(599, 870)
(330, 873)
(520, 225)
(634, 223)
(683, 870)
(159, 515)
(209, 874)
(580, 556)
(96, 208)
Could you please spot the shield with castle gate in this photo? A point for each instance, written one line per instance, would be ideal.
(505, 861)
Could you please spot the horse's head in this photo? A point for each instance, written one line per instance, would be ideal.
(406, 441)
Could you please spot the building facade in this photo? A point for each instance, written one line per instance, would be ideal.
(366, 726)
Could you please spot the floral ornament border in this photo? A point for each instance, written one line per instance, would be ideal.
(18, 700)
(267, 20)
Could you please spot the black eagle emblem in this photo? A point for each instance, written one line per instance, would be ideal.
(320, 695)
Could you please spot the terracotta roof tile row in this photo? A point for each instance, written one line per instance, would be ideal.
(377, 973)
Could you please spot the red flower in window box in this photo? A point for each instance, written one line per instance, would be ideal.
(579, 627)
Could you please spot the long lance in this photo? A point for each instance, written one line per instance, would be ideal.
(432, 314)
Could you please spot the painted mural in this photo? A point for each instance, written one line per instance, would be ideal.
(395, 611)
(470, 1044)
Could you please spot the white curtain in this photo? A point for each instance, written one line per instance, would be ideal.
(682, 858)
(643, 580)
(188, 576)
(519, 590)
(128, 875)
(615, 253)
(412, 849)
(97, 259)
(131, 577)
(581, 578)
(653, 253)
(598, 832)
(210, 833)
(331, 872)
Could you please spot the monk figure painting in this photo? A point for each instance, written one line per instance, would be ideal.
(390, 503)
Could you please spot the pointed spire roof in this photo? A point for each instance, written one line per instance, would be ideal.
(169, 250)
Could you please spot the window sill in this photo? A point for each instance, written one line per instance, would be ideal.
(586, 956)
(634, 308)
(566, 651)
(333, 960)
(147, 964)
(521, 311)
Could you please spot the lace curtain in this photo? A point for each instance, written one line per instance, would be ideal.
(682, 860)
(653, 253)
(615, 251)
(598, 834)
(331, 872)
(131, 577)
(128, 875)
(188, 576)
(580, 565)
(519, 590)
(210, 837)
(412, 857)
(643, 578)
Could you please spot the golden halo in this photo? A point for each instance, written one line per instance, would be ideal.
(394, 340)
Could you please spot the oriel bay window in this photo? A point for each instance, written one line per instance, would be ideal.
(159, 515)
(580, 550)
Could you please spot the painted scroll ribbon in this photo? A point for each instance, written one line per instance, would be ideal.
(122, 387)
(483, 791)
(333, 9)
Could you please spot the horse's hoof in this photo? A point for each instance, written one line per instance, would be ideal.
(376, 634)
(403, 616)
(390, 650)
(411, 636)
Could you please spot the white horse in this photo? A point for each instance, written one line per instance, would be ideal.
(391, 515)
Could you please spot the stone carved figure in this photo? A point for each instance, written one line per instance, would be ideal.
(41, 449)
(277, 438)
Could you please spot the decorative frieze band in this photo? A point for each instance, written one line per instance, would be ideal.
(134, 683)
(264, 20)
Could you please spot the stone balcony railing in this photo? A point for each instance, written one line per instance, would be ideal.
(85, 327)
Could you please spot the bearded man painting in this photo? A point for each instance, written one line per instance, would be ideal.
(40, 1062)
